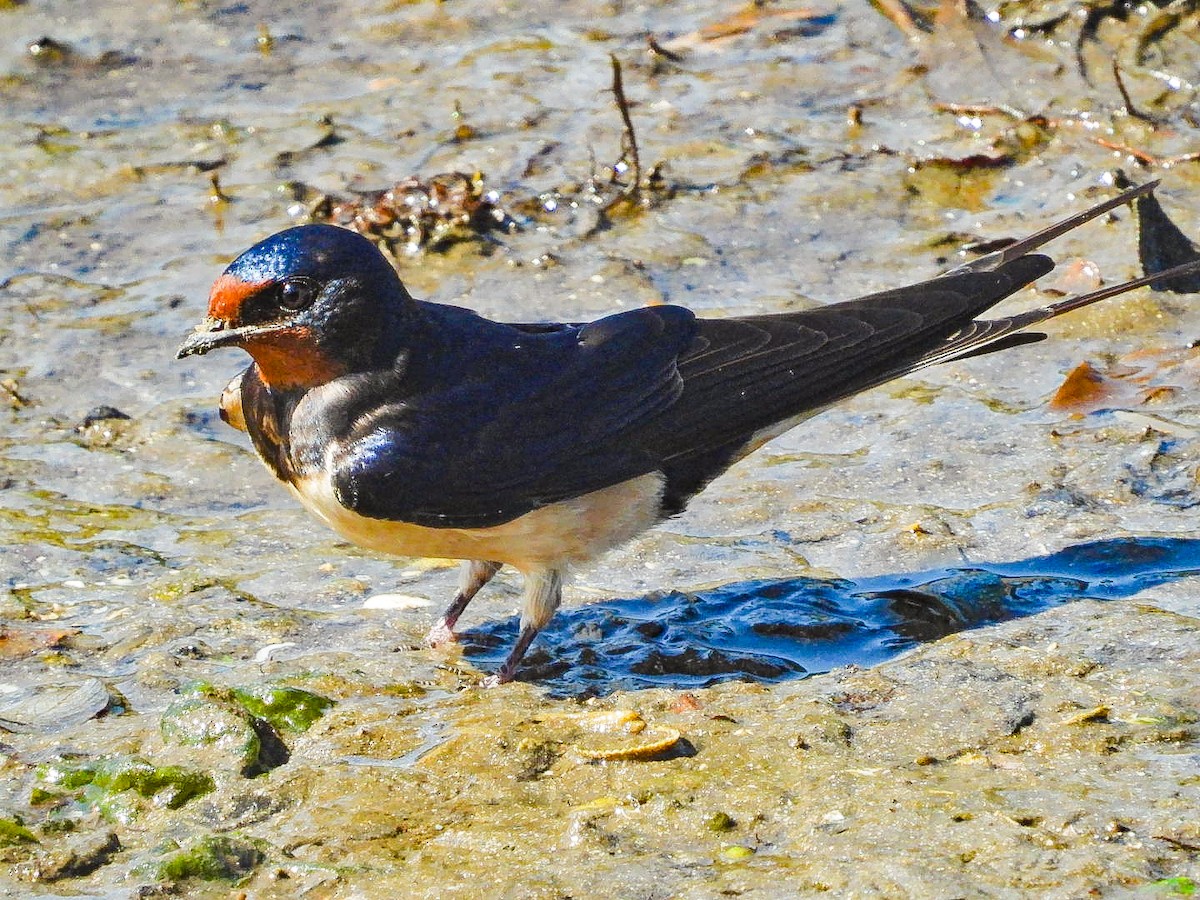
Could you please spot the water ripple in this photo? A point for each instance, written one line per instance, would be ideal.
(771, 630)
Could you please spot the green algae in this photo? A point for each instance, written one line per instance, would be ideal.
(12, 832)
(242, 725)
(286, 708)
(213, 858)
(737, 852)
(55, 520)
(42, 797)
(720, 821)
(111, 784)
(1179, 886)
(172, 590)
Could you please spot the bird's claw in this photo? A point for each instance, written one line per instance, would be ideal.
(440, 634)
(496, 679)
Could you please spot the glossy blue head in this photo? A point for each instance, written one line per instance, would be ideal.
(317, 252)
(309, 304)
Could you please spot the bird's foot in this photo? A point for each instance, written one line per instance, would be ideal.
(440, 634)
(508, 671)
(496, 679)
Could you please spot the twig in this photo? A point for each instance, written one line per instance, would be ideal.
(15, 397)
(976, 109)
(1182, 845)
(215, 194)
(658, 49)
(629, 148)
(902, 16)
(1130, 109)
(1140, 155)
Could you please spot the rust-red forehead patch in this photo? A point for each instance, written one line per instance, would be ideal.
(228, 294)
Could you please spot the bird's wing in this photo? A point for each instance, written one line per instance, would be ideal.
(648, 390)
(468, 457)
(743, 376)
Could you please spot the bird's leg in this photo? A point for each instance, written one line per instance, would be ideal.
(543, 594)
(475, 574)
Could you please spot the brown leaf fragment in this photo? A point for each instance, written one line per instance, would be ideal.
(972, 161)
(414, 214)
(712, 37)
(686, 702)
(747, 19)
(1083, 390)
(1152, 376)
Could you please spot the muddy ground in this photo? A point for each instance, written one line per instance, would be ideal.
(204, 693)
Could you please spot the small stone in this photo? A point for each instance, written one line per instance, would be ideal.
(737, 851)
(102, 414)
(80, 855)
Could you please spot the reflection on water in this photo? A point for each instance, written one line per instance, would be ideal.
(775, 629)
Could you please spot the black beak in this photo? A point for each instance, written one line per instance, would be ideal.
(213, 333)
(209, 334)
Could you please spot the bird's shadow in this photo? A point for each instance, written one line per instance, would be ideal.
(772, 630)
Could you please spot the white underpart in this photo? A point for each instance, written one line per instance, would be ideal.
(554, 536)
(542, 544)
(231, 403)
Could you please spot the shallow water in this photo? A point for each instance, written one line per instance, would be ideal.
(777, 629)
(143, 556)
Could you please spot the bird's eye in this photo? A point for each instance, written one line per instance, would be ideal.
(296, 294)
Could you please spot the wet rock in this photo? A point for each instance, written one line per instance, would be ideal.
(224, 730)
(54, 707)
(908, 716)
(50, 52)
(538, 759)
(77, 856)
(102, 414)
(105, 427)
(225, 812)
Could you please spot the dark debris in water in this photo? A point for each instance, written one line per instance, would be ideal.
(416, 214)
(49, 52)
(101, 413)
(780, 629)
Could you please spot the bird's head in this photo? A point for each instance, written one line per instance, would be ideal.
(308, 304)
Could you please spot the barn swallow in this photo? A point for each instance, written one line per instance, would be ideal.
(423, 429)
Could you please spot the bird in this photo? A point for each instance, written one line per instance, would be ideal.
(423, 429)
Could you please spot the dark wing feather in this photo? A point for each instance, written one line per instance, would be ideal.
(745, 375)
